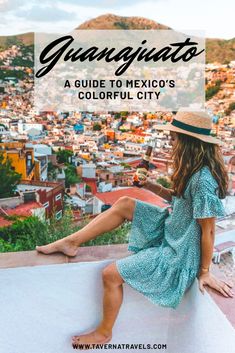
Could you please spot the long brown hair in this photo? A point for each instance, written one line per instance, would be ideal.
(191, 154)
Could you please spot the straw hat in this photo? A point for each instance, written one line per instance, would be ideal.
(196, 124)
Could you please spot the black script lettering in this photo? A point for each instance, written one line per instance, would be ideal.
(126, 54)
(130, 58)
(181, 45)
(54, 57)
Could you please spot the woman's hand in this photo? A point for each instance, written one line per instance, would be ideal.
(221, 286)
(142, 180)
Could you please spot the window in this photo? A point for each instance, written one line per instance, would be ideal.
(58, 215)
(58, 197)
(46, 204)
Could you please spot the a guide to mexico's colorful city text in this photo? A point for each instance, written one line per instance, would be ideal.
(117, 176)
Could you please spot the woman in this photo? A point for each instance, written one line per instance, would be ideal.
(170, 249)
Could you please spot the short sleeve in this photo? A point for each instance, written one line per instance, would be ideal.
(205, 200)
(172, 201)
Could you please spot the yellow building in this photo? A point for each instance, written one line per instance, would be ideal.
(22, 159)
(85, 155)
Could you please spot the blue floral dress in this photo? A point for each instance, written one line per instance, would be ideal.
(166, 245)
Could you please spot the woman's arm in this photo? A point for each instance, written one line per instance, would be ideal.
(207, 242)
(159, 190)
(205, 277)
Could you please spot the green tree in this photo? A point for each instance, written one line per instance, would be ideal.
(164, 182)
(8, 177)
(230, 108)
(117, 116)
(121, 25)
(63, 156)
(71, 176)
(124, 113)
(125, 165)
(12, 40)
(88, 188)
(211, 91)
(96, 127)
(51, 171)
(25, 234)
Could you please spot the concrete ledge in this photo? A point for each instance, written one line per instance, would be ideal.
(102, 252)
(85, 253)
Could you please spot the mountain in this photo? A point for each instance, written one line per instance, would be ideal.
(25, 39)
(220, 50)
(217, 50)
(110, 21)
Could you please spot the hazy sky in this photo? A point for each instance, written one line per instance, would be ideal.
(215, 17)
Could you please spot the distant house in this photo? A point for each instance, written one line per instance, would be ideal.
(22, 159)
(15, 206)
(49, 194)
(78, 128)
(42, 153)
(34, 134)
(11, 79)
(3, 130)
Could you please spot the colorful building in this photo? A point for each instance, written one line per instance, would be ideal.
(22, 159)
(49, 194)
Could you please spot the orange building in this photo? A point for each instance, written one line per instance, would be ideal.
(22, 159)
(110, 134)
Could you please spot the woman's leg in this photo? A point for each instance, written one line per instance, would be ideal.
(112, 218)
(112, 300)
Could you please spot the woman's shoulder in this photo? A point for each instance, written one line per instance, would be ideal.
(203, 178)
(204, 173)
(205, 196)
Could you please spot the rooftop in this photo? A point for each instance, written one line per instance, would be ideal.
(24, 210)
(27, 187)
(135, 192)
(30, 185)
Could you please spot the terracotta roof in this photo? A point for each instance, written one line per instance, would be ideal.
(4, 222)
(23, 210)
(92, 183)
(135, 162)
(141, 194)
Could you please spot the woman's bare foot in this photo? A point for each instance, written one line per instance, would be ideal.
(94, 337)
(66, 246)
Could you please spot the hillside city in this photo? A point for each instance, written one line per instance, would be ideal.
(85, 161)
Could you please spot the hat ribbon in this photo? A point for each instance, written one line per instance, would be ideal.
(187, 127)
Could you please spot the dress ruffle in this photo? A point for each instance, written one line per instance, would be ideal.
(206, 202)
(208, 205)
(171, 282)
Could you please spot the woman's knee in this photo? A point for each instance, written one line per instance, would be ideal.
(111, 275)
(125, 206)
